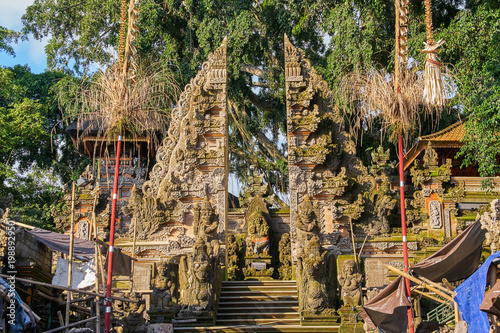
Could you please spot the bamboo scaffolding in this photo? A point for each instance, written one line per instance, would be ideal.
(79, 291)
(71, 325)
(439, 300)
(428, 286)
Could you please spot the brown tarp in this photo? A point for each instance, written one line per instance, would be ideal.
(457, 260)
(388, 310)
(60, 242)
(491, 301)
(122, 263)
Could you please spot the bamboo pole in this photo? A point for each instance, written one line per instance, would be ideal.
(429, 296)
(79, 291)
(448, 285)
(71, 325)
(438, 286)
(420, 282)
(19, 224)
(353, 242)
(71, 240)
(362, 247)
(61, 319)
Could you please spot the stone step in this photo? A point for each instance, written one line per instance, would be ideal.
(257, 315)
(256, 303)
(257, 307)
(259, 281)
(260, 329)
(257, 287)
(275, 293)
(258, 321)
(259, 297)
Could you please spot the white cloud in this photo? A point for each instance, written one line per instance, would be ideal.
(31, 52)
(12, 10)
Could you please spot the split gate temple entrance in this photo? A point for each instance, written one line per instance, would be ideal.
(201, 259)
(184, 213)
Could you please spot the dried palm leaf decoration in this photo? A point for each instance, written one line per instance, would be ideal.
(434, 90)
(125, 98)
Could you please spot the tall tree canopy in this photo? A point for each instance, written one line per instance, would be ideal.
(338, 37)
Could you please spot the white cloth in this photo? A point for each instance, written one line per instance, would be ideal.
(83, 274)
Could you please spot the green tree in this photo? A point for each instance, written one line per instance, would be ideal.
(338, 37)
(36, 156)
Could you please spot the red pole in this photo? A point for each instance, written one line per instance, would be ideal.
(107, 316)
(403, 227)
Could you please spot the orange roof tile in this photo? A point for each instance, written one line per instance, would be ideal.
(454, 132)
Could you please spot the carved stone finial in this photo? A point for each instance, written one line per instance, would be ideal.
(430, 156)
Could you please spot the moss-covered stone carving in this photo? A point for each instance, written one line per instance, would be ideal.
(316, 279)
(350, 284)
(285, 256)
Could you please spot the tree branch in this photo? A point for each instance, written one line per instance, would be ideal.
(270, 146)
(262, 104)
(253, 70)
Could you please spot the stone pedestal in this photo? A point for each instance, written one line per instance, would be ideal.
(258, 268)
(204, 318)
(328, 317)
(160, 328)
(161, 317)
(351, 321)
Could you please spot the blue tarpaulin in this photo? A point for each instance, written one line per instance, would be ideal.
(470, 295)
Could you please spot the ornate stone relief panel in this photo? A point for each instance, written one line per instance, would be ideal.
(435, 216)
(191, 163)
(321, 156)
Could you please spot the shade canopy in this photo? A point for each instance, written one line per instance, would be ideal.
(457, 260)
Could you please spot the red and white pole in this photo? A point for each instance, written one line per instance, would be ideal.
(109, 281)
(403, 227)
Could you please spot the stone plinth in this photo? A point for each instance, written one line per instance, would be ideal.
(258, 267)
(351, 321)
(161, 316)
(160, 328)
(327, 317)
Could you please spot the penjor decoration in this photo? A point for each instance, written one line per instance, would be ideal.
(434, 92)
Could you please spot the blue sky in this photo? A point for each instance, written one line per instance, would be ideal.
(29, 52)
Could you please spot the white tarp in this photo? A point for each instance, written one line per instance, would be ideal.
(83, 274)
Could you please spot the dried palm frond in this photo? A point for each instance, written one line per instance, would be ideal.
(371, 95)
(434, 89)
(110, 104)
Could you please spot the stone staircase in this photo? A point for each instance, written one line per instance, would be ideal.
(258, 306)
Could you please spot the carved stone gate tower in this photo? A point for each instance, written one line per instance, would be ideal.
(191, 170)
